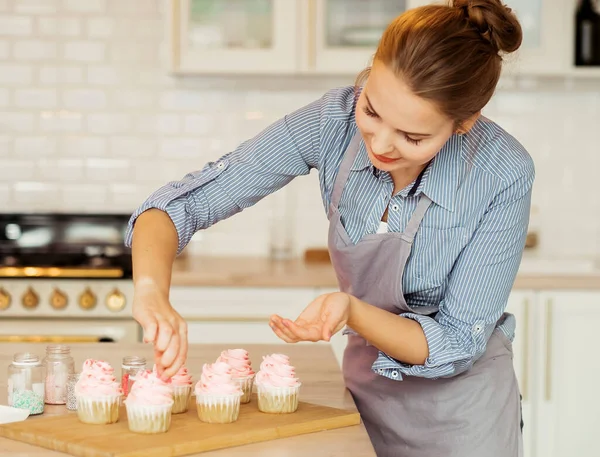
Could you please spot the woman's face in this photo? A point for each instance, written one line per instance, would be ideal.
(402, 131)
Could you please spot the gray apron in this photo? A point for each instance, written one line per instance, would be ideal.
(474, 414)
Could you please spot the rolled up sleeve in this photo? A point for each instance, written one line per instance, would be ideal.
(477, 291)
(258, 167)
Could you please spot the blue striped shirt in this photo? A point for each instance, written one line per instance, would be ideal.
(465, 255)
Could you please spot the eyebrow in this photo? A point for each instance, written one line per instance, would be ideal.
(398, 130)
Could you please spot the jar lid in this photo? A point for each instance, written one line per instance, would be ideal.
(134, 361)
(59, 349)
(26, 359)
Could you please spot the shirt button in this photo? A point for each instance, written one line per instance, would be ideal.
(380, 371)
(394, 374)
(477, 329)
(395, 207)
(220, 165)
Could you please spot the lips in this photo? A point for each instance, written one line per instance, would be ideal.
(385, 159)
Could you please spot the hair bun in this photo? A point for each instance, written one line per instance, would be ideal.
(495, 22)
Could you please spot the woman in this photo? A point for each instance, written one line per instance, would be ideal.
(428, 205)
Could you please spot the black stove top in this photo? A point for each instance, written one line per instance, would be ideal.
(64, 245)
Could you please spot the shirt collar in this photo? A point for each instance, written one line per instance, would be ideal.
(441, 178)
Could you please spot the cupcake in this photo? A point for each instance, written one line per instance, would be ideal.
(241, 370)
(149, 404)
(98, 393)
(277, 385)
(181, 384)
(217, 394)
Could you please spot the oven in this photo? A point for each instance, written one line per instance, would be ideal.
(65, 278)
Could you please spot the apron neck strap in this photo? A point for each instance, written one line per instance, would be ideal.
(416, 218)
(344, 171)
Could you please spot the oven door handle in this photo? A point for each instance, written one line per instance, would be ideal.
(54, 339)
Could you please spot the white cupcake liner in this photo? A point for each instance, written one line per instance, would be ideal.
(181, 398)
(245, 384)
(149, 418)
(277, 400)
(98, 410)
(218, 409)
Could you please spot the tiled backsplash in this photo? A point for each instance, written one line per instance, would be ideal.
(90, 120)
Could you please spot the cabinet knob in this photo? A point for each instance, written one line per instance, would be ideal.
(30, 299)
(116, 301)
(58, 299)
(87, 300)
(5, 299)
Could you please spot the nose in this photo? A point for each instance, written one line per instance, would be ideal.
(381, 143)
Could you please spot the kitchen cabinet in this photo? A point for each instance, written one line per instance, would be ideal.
(545, 49)
(232, 36)
(238, 316)
(566, 395)
(346, 32)
(338, 36)
(520, 304)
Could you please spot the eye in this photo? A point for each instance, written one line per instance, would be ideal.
(412, 140)
(369, 112)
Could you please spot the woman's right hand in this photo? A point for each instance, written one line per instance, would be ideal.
(162, 326)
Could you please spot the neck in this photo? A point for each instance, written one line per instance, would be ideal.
(404, 177)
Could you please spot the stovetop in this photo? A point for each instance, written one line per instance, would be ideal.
(64, 245)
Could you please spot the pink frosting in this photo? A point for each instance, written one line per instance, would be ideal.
(216, 379)
(182, 378)
(149, 389)
(276, 371)
(97, 379)
(239, 361)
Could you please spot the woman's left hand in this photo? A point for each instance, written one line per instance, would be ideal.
(322, 319)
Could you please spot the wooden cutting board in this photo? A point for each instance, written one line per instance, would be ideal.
(186, 436)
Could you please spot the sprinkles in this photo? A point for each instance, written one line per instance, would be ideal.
(28, 399)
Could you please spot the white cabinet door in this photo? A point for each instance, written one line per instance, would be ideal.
(520, 304)
(239, 303)
(346, 33)
(567, 386)
(546, 36)
(234, 36)
(545, 44)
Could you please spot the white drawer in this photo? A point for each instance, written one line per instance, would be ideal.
(242, 302)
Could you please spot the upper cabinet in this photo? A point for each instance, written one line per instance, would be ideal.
(545, 47)
(225, 36)
(339, 36)
(347, 32)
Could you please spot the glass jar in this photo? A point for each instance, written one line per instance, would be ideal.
(71, 398)
(26, 377)
(131, 366)
(59, 365)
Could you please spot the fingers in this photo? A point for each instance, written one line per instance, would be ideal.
(165, 333)
(175, 355)
(276, 324)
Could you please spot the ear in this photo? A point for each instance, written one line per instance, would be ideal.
(465, 126)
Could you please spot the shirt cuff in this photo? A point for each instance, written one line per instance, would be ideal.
(444, 359)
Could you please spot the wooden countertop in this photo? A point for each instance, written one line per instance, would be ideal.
(263, 272)
(316, 366)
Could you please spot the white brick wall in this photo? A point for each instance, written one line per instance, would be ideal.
(85, 99)
(90, 120)
(13, 25)
(34, 50)
(84, 51)
(15, 74)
